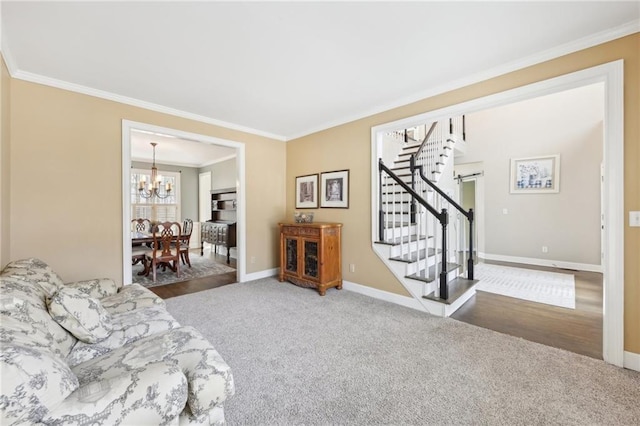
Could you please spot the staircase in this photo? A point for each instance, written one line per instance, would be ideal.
(424, 236)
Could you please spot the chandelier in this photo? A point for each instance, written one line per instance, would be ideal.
(154, 188)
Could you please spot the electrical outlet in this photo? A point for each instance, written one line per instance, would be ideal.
(352, 267)
(253, 259)
(545, 249)
(505, 211)
(634, 219)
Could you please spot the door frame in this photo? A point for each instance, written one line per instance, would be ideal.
(612, 75)
(127, 127)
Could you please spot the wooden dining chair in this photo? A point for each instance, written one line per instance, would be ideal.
(138, 252)
(185, 238)
(166, 247)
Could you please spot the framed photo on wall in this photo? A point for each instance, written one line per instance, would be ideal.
(535, 175)
(334, 189)
(307, 192)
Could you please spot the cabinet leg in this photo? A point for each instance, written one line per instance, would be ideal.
(322, 291)
(339, 286)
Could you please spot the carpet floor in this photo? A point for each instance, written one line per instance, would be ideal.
(299, 358)
(201, 266)
(551, 288)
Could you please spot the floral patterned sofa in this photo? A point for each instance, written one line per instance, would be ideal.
(93, 352)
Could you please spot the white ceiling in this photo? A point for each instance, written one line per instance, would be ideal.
(285, 69)
(175, 151)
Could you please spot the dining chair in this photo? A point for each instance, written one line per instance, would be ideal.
(138, 252)
(185, 238)
(166, 247)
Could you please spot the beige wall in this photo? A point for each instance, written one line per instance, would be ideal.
(348, 147)
(66, 202)
(5, 108)
(567, 123)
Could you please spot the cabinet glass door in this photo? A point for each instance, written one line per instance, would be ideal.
(291, 253)
(311, 258)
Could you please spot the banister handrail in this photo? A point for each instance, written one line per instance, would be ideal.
(439, 215)
(424, 141)
(467, 214)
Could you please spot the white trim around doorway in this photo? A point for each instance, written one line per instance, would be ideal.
(611, 74)
(127, 127)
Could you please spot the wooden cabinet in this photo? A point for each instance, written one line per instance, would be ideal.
(221, 230)
(219, 234)
(311, 255)
(223, 205)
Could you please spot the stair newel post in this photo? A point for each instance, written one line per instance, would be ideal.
(413, 206)
(470, 261)
(444, 290)
(380, 209)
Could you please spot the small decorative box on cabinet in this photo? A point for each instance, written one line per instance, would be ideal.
(310, 255)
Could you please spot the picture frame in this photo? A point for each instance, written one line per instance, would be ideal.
(307, 192)
(334, 189)
(535, 175)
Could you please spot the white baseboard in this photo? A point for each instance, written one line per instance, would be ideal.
(261, 274)
(632, 361)
(405, 301)
(542, 262)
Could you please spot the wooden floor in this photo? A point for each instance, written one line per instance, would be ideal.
(199, 284)
(577, 330)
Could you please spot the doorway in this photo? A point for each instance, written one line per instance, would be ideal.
(128, 127)
(611, 74)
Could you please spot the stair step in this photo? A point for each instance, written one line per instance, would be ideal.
(394, 169)
(400, 240)
(413, 257)
(457, 287)
(430, 276)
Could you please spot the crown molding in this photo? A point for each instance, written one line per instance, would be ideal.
(60, 84)
(631, 27)
(546, 55)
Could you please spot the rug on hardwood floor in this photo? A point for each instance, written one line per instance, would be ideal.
(201, 266)
(552, 288)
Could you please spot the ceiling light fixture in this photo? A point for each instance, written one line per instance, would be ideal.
(155, 187)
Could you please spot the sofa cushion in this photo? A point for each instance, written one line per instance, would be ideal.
(35, 271)
(96, 288)
(82, 316)
(24, 317)
(34, 381)
(130, 298)
(127, 328)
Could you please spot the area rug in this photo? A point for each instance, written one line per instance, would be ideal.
(201, 266)
(551, 288)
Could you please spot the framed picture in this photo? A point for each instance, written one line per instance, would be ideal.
(535, 175)
(307, 192)
(334, 189)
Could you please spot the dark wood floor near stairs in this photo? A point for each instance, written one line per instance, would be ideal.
(199, 284)
(577, 330)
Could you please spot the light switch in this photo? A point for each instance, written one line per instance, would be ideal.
(634, 219)
(505, 211)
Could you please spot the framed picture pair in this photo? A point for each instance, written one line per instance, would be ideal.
(333, 188)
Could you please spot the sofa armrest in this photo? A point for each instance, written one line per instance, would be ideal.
(153, 395)
(209, 377)
(96, 288)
